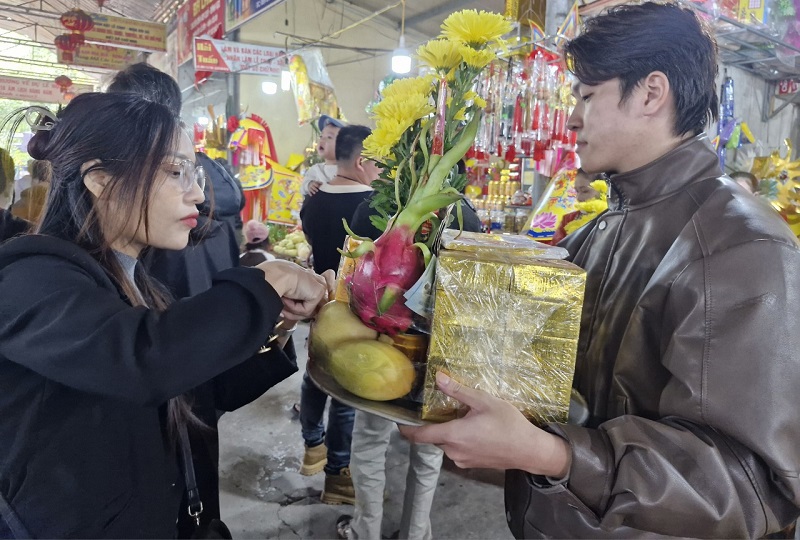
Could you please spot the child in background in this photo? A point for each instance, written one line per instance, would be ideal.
(255, 252)
(590, 202)
(322, 173)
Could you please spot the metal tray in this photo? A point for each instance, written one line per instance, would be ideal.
(401, 411)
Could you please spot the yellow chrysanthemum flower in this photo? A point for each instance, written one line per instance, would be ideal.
(477, 58)
(383, 138)
(473, 27)
(440, 54)
(403, 110)
(476, 99)
(461, 115)
(413, 85)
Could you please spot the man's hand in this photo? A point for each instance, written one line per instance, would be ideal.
(302, 291)
(493, 435)
(313, 187)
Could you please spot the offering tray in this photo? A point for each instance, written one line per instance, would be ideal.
(401, 411)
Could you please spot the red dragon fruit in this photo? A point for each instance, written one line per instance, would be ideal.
(387, 268)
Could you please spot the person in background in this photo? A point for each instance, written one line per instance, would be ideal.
(590, 197)
(95, 360)
(689, 365)
(322, 173)
(31, 202)
(747, 180)
(212, 249)
(256, 246)
(322, 217)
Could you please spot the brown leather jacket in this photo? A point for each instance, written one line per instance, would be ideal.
(689, 358)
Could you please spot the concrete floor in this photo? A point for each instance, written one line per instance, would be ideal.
(263, 495)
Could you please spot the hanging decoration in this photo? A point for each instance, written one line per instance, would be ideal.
(272, 191)
(779, 183)
(63, 83)
(78, 22)
(65, 43)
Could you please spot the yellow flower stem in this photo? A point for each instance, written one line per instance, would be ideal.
(424, 146)
(397, 183)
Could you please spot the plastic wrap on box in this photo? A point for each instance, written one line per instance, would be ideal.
(506, 320)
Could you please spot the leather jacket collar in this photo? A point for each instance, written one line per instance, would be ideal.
(693, 160)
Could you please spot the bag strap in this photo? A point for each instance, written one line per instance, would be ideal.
(9, 520)
(195, 506)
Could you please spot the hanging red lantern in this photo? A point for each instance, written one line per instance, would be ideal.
(65, 43)
(101, 3)
(68, 96)
(77, 20)
(77, 39)
(63, 83)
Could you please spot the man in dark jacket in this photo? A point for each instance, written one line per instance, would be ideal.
(688, 347)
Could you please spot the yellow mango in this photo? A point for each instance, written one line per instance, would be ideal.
(372, 369)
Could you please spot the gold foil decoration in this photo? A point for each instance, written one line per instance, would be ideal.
(347, 265)
(506, 320)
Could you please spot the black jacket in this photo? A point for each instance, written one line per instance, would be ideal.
(211, 249)
(11, 226)
(224, 194)
(83, 382)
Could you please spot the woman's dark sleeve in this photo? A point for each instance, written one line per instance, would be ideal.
(57, 321)
(249, 380)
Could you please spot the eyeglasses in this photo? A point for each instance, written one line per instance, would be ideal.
(186, 174)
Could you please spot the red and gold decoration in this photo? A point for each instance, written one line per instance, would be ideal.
(63, 83)
(272, 191)
(78, 22)
(66, 42)
(779, 183)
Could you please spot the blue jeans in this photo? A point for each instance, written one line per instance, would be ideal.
(340, 425)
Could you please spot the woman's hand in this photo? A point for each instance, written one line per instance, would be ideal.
(302, 291)
(492, 435)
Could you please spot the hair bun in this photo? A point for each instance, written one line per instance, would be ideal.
(37, 146)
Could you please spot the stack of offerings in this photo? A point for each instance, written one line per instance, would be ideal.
(506, 318)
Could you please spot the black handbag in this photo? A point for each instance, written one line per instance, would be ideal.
(215, 528)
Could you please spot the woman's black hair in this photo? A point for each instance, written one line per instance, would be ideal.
(150, 83)
(129, 137)
(631, 41)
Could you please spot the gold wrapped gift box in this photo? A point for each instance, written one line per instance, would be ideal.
(506, 320)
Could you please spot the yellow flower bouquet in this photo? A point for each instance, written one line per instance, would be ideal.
(424, 126)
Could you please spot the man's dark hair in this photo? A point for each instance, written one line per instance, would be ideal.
(630, 42)
(350, 142)
(150, 83)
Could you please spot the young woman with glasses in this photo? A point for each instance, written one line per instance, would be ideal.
(94, 358)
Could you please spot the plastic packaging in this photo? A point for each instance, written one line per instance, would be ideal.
(506, 320)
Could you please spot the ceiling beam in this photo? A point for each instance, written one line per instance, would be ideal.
(24, 10)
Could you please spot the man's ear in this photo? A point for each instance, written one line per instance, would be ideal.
(657, 95)
(96, 179)
(359, 163)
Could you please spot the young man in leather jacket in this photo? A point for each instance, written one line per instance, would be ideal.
(687, 354)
